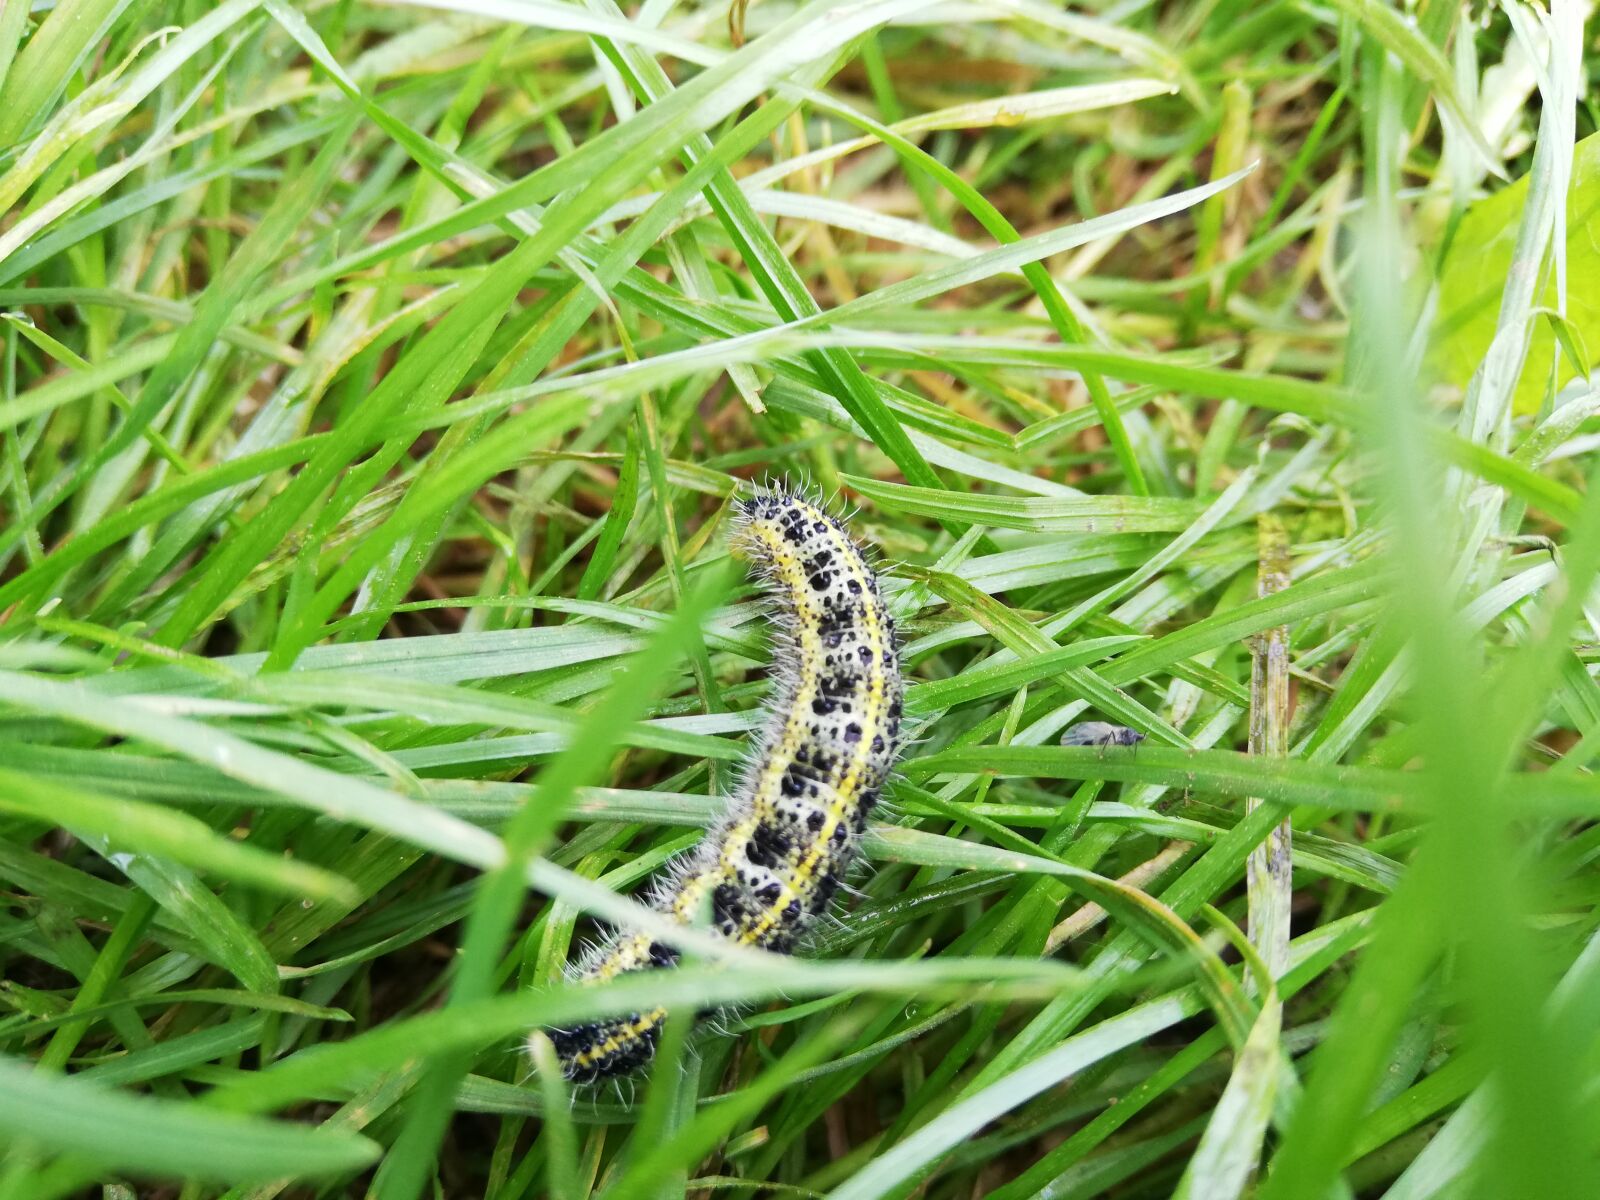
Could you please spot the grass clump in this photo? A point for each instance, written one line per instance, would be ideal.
(377, 379)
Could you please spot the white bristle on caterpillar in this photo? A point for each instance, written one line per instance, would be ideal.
(793, 825)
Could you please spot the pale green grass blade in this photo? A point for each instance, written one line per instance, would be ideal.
(43, 67)
(145, 829)
(148, 1136)
(904, 1163)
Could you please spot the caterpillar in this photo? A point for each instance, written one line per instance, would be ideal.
(793, 824)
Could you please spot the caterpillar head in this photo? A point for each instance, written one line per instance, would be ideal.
(781, 513)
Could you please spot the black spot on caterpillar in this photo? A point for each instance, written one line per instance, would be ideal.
(793, 826)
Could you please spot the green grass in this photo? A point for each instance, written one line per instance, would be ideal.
(376, 381)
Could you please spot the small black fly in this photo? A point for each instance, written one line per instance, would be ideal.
(1100, 733)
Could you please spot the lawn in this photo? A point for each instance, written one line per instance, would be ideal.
(378, 387)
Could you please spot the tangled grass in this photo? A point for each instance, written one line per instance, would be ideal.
(377, 378)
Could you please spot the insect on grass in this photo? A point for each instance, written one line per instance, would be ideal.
(1100, 733)
(793, 825)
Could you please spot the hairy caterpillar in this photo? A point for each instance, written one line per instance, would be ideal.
(794, 823)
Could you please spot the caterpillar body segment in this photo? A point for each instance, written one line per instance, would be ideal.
(793, 825)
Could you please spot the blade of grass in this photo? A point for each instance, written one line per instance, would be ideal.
(148, 1136)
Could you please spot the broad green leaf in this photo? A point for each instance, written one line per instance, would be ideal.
(1474, 277)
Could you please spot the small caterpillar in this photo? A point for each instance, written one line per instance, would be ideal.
(793, 825)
